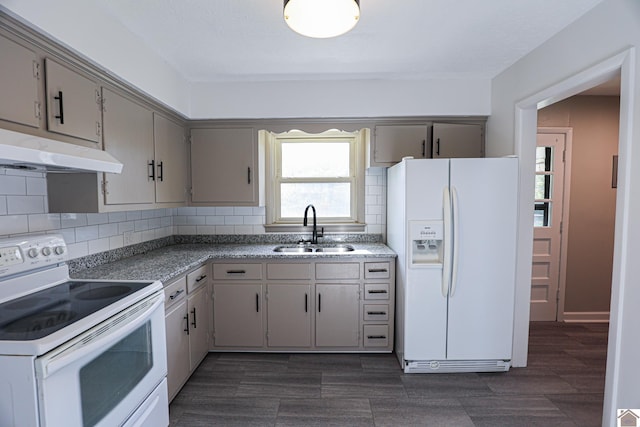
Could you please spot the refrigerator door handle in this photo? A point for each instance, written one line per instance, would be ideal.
(446, 262)
(455, 210)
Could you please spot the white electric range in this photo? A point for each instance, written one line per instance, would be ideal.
(77, 352)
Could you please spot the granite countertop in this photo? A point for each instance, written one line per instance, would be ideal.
(169, 262)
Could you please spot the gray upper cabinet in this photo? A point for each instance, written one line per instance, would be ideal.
(393, 142)
(128, 137)
(171, 158)
(457, 140)
(19, 71)
(224, 167)
(73, 103)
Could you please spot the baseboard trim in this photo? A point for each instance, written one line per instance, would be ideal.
(586, 317)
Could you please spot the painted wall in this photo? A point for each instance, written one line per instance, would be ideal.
(23, 210)
(592, 207)
(608, 34)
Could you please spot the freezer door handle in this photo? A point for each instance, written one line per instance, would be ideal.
(446, 263)
(455, 208)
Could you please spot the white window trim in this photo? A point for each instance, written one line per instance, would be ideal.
(354, 224)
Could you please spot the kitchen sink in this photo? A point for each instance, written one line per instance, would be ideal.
(299, 249)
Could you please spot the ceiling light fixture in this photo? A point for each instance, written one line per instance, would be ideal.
(321, 18)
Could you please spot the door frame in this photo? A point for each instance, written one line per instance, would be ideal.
(564, 234)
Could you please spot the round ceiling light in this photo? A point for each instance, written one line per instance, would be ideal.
(321, 18)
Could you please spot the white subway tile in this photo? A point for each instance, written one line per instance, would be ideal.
(187, 229)
(90, 232)
(225, 229)
(99, 245)
(134, 215)
(196, 220)
(25, 173)
(68, 234)
(97, 218)
(243, 229)
(206, 229)
(148, 235)
(205, 210)
(73, 220)
(254, 220)
(77, 250)
(187, 211)
(243, 210)
(146, 214)
(25, 205)
(180, 220)
(117, 216)
(258, 229)
(224, 210)
(36, 186)
(166, 221)
(373, 209)
(13, 185)
(107, 230)
(13, 224)
(371, 219)
(141, 225)
(374, 189)
(43, 222)
(126, 226)
(233, 220)
(116, 242)
(155, 223)
(3, 205)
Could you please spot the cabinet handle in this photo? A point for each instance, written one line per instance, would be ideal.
(194, 317)
(376, 313)
(376, 337)
(160, 171)
(249, 175)
(201, 278)
(61, 115)
(186, 317)
(319, 303)
(175, 295)
(438, 147)
(377, 291)
(306, 303)
(236, 271)
(257, 303)
(424, 148)
(377, 270)
(152, 164)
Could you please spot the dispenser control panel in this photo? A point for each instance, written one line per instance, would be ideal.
(426, 242)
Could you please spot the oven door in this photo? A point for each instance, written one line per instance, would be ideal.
(101, 377)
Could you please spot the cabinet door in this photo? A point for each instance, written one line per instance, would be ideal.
(128, 136)
(19, 84)
(177, 348)
(237, 315)
(337, 315)
(197, 305)
(393, 142)
(224, 166)
(170, 160)
(73, 103)
(457, 140)
(288, 315)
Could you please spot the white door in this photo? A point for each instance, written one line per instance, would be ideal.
(481, 296)
(549, 190)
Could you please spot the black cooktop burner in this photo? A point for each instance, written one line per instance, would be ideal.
(44, 312)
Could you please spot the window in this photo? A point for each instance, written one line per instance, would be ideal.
(325, 170)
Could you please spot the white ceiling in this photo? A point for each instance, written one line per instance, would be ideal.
(236, 40)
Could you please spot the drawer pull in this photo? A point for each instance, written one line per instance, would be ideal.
(257, 303)
(376, 337)
(376, 313)
(176, 294)
(194, 317)
(377, 291)
(236, 272)
(201, 278)
(378, 270)
(186, 329)
(306, 303)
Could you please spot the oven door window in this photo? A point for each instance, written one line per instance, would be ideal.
(111, 376)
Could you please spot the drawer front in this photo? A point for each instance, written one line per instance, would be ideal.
(376, 335)
(237, 271)
(376, 312)
(289, 271)
(175, 291)
(376, 291)
(377, 270)
(197, 278)
(342, 270)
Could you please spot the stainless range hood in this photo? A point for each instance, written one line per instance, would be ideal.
(22, 151)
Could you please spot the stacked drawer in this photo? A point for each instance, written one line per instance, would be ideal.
(377, 304)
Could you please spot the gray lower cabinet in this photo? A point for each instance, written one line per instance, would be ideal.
(187, 319)
(303, 305)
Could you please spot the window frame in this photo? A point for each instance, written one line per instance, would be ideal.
(274, 222)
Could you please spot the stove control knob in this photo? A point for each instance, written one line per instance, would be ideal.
(33, 252)
(46, 251)
(59, 250)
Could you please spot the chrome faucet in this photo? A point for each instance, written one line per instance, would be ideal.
(314, 233)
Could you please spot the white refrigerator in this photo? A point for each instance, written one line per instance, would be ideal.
(452, 223)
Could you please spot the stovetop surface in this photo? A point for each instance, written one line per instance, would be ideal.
(44, 312)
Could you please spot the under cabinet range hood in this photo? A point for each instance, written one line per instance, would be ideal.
(29, 152)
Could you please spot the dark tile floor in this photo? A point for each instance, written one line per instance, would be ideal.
(562, 386)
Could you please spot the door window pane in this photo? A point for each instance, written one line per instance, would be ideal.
(319, 160)
(329, 199)
(542, 214)
(109, 378)
(543, 187)
(543, 159)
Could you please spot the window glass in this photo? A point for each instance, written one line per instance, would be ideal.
(315, 159)
(329, 199)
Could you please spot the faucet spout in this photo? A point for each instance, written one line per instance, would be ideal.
(314, 233)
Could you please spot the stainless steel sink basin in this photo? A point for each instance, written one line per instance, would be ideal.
(318, 249)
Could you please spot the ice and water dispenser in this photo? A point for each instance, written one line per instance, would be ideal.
(426, 240)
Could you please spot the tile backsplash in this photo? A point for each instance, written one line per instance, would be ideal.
(24, 210)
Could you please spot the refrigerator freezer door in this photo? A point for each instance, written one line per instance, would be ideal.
(480, 318)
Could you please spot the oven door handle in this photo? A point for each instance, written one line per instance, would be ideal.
(101, 336)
